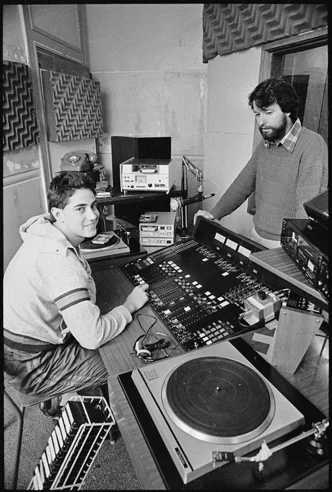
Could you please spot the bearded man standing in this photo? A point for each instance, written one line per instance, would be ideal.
(288, 167)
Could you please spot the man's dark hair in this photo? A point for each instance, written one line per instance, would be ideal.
(63, 186)
(276, 91)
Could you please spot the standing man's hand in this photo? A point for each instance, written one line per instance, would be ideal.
(203, 213)
(137, 298)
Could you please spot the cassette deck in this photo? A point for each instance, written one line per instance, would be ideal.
(148, 174)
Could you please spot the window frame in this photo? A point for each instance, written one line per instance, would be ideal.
(272, 64)
(38, 43)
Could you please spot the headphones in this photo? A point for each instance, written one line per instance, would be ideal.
(144, 351)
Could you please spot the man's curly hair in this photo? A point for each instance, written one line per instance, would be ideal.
(276, 91)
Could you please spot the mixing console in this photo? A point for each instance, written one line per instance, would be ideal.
(197, 290)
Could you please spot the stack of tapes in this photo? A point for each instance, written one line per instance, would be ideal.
(157, 229)
(73, 445)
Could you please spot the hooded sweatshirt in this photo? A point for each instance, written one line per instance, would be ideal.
(49, 293)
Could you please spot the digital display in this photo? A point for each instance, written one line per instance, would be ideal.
(141, 179)
(220, 238)
(244, 251)
(231, 244)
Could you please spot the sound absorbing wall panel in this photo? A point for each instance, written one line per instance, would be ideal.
(231, 27)
(73, 107)
(20, 127)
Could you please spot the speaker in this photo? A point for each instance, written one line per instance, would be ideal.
(124, 148)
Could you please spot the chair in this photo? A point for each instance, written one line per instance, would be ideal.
(20, 416)
(25, 401)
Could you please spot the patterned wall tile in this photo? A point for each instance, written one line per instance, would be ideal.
(76, 111)
(19, 117)
(231, 27)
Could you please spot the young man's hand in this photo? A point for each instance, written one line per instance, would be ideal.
(137, 298)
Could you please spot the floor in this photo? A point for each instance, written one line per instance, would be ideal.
(111, 470)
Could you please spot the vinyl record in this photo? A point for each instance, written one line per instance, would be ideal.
(88, 245)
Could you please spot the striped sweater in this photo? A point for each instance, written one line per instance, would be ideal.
(49, 293)
(282, 180)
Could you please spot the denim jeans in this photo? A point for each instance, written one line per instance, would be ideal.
(67, 368)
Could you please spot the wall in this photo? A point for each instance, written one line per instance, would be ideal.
(148, 59)
(230, 127)
(22, 185)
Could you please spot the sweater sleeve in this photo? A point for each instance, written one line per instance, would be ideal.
(70, 287)
(312, 176)
(238, 191)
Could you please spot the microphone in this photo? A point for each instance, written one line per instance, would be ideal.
(181, 202)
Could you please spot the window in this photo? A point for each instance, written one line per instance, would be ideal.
(307, 72)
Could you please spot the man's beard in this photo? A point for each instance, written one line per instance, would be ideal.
(274, 134)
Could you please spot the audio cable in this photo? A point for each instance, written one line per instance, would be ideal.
(145, 350)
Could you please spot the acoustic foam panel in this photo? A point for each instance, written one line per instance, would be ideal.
(230, 27)
(73, 107)
(20, 127)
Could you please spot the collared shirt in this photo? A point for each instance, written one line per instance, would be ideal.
(290, 139)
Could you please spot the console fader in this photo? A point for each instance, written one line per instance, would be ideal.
(198, 289)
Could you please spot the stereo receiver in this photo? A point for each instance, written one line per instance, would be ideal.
(308, 250)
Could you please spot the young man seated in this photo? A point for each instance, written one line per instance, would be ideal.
(52, 326)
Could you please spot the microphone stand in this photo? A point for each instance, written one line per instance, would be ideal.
(180, 205)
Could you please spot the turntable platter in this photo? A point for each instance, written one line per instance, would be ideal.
(218, 400)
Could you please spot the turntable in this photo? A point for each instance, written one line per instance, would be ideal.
(114, 246)
(213, 402)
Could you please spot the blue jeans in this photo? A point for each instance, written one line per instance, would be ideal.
(67, 368)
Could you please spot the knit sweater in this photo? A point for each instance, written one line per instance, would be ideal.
(49, 293)
(282, 180)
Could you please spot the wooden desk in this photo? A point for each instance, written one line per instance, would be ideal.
(311, 378)
(122, 197)
(112, 289)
